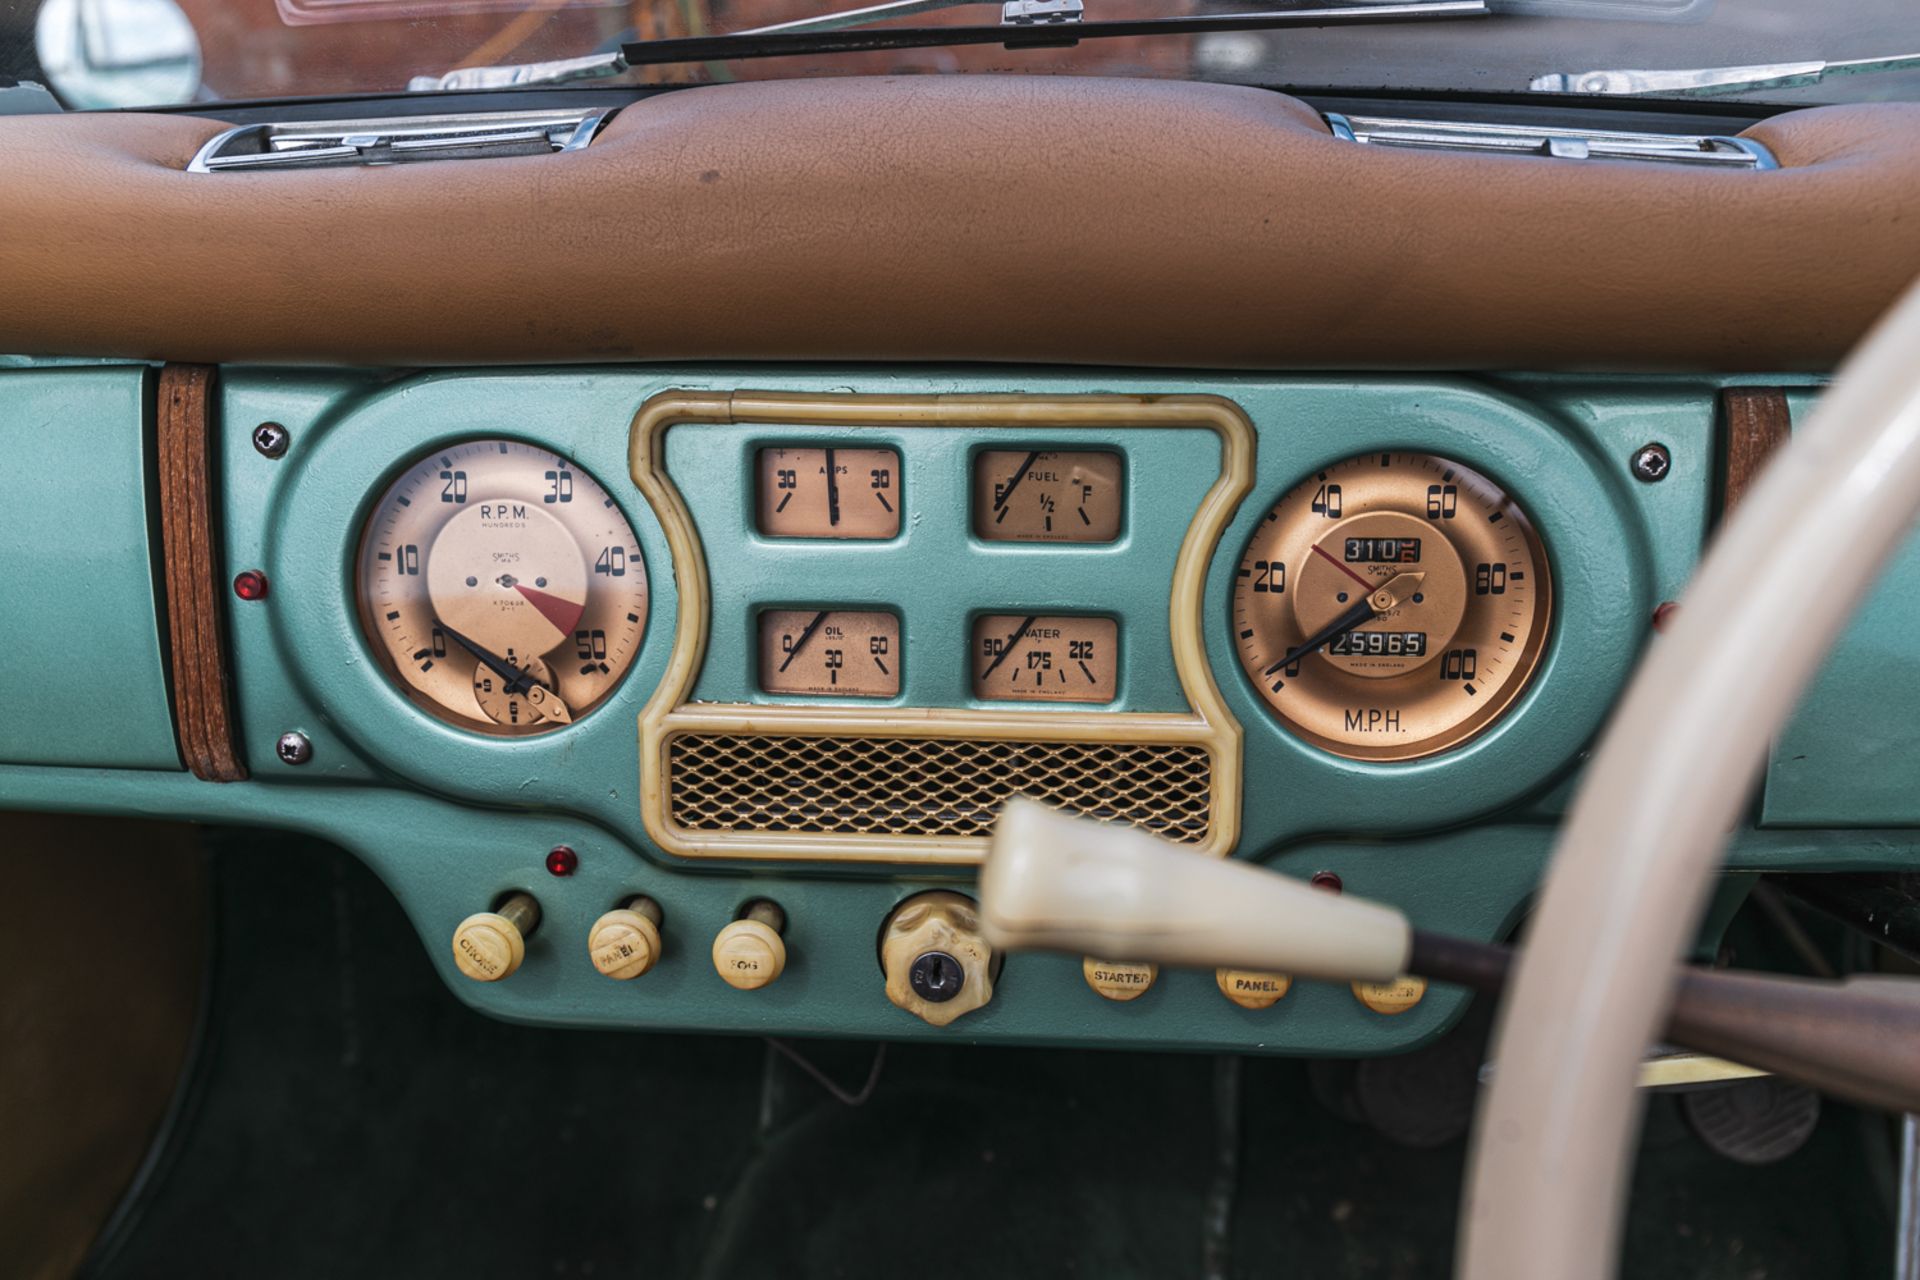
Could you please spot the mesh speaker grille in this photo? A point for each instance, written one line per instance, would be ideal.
(943, 787)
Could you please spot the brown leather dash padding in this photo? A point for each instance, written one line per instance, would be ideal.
(202, 712)
(1755, 421)
(1043, 219)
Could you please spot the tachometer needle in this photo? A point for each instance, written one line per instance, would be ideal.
(542, 699)
(806, 634)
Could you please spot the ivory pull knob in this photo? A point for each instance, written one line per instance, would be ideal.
(1397, 996)
(1252, 989)
(625, 942)
(1117, 980)
(938, 966)
(750, 953)
(489, 945)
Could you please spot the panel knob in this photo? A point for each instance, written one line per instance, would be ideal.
(938, 966)
(489, 945)
(1252, 989)
(625, 942)
(749, 953)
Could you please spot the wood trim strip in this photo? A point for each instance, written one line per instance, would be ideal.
(202, 713)
(1754, 421)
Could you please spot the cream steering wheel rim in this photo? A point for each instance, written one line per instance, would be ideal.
(1629, 879)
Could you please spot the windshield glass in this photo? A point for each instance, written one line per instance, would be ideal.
(103, 53)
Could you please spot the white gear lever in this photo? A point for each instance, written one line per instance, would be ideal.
(1057, 883)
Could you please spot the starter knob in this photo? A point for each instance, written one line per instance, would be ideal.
(938, 966)
(625, 942)
(750, 953)
(489, 945)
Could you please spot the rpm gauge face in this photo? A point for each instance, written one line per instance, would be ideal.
(501, 587)
(1392, 606)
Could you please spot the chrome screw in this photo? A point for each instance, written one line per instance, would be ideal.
(1651, 463)
(293, 748)
(271, 439)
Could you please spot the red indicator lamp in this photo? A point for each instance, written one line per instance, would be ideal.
(250, 584)
(561, 861)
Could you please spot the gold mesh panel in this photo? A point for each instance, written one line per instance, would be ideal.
(928, 786)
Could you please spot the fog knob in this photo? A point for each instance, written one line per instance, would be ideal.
(490, 945)
(938, 966)
(750, 953)
(625, 942)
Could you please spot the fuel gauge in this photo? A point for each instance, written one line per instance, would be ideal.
(1047, 496)
(1045, 658)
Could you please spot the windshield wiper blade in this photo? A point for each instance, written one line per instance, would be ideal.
(596, 65)
(1707, 81)
(1017, 34)
(1023, 24)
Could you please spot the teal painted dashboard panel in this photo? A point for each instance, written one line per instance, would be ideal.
(451, 819)
(1850, 755)
(81, 661)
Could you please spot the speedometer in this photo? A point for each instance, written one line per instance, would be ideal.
(501, 587)
(1392, 606)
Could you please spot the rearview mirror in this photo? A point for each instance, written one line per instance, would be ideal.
(118, 53)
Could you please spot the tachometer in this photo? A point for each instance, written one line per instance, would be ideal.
(1392, 606)
(501, 587)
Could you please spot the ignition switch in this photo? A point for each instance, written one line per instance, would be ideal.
(937, 964)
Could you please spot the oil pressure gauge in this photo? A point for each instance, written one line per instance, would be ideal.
(1392, 606)
(501, 588)
(841, 653)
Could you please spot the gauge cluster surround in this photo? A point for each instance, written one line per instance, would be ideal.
(875, 698)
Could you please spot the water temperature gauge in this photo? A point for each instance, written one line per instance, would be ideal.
(1042, 496)
(1042, 658)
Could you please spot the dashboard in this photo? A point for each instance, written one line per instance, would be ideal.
(668, 638)
(685, 698)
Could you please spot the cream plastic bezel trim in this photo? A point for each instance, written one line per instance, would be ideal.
(668, 712)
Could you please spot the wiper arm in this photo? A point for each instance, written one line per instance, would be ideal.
(1023, 24)
(1707, 81)
(595, 65)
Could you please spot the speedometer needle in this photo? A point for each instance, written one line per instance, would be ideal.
(1378, 601)
(539, 697)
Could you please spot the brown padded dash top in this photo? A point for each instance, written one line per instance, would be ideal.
(1037, 219)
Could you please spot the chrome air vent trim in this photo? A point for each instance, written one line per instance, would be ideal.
(400, 140)
(1546, 140)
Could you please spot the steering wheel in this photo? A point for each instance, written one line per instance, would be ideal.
(1635, 862)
